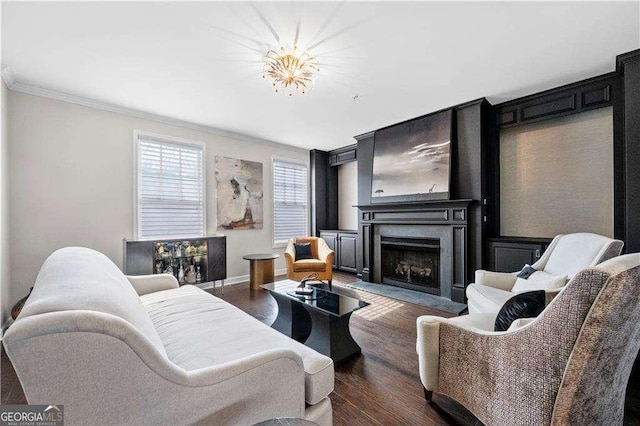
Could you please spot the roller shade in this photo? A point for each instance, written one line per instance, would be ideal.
(289, 201)
(170, 189)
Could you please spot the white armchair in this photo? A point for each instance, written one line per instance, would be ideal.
(566, 255)
(570, 365)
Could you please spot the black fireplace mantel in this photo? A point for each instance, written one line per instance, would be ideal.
(448, 218)
(424, 212)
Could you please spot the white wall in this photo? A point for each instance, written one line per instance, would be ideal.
(5, 298)
(72, 183)
(348, 195)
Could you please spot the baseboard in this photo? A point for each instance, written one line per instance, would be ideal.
(239, 279)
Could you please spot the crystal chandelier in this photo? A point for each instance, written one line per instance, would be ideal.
(290, 71)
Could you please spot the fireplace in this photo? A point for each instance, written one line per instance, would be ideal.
(412, 263)
(420, 246)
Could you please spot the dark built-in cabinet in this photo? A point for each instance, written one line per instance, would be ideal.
(510, 254)
(201, 259)
(343, 243)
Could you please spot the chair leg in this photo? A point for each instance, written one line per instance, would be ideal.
(428, 395)
(330, 285)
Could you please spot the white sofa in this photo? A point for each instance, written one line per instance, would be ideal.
(566, 255)
(145, 351)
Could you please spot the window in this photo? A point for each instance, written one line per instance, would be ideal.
(289, 201)
(170, 187)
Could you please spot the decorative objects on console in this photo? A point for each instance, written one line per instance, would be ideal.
(566, 255)
(566, 379)
(182, 259)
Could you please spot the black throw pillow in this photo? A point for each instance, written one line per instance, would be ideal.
(303, 251)
(523, 305)
(526, 272)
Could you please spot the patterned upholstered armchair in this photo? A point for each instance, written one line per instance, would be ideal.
(321, 264)
(566, 255)
(569, 366)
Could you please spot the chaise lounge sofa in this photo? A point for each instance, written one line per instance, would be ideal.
(142, 350)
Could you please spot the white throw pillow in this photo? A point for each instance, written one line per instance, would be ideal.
(539, 280)
(519, 323)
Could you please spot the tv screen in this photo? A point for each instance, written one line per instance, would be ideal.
(412, 160)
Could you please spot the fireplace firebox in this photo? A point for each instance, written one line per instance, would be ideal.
(412, 263)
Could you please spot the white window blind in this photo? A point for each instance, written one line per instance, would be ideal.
(289, 201)
(170, 188)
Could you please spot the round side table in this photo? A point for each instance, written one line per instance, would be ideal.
(260, 268)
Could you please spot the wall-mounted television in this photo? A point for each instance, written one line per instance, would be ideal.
(412, 160)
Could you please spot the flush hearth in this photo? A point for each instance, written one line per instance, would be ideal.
(412, 263)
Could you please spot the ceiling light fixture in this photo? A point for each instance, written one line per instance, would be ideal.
(290, 71)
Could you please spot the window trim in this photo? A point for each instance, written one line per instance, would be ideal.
(274, 159)
(136, 181)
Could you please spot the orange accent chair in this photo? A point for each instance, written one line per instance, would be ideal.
(321, 264)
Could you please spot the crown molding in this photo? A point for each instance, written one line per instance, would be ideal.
(7, 76)
(104, 106)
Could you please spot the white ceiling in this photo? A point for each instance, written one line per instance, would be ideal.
(201, 62)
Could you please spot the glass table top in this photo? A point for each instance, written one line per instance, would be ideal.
(323, 300)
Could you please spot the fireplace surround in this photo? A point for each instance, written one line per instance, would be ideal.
(437, 231)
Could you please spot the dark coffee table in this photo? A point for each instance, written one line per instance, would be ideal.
(320, 321)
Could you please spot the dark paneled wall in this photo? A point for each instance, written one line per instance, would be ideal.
(621, 90)
(365, 167)
(468, 181)
(324, 192)
(629, 66)
(476, 159)
(365, 172)
(469, 174)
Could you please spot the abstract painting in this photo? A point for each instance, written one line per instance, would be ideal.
(239, 194)
(411, 160)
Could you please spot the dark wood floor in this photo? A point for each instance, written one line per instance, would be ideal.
(382, 386)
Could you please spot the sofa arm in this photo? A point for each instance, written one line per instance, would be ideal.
(501, 280)
(428, 341)
(144, 284)
(290, 258)
(428, 349)
(324, 252)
